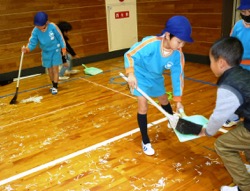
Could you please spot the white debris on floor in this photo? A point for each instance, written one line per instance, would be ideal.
(35, 99)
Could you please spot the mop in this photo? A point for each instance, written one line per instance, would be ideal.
(199, 119)
(177, 123)
(14, 99)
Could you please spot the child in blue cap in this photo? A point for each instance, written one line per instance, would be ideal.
(241, 30)
(233, 96)
(51, 41)
(145, 63)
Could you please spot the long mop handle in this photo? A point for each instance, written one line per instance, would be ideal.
(19, 71)
(169, 116)
(13, 101)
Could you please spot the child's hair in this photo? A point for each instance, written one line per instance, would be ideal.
(228, 48)
(64, 26)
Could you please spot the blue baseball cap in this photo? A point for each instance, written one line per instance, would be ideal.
(180, 27)
(244, 5)
(40, 19)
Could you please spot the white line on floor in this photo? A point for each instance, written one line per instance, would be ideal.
(108, 88)
(65, 108)
(42, 115)
(72, 155)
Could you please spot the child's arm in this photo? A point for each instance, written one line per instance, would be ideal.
(129, 68)
(135, 54)
(70, 50)
(177, 78)
(60, 38)
(131, 58)
(227, 103)
(33, 41)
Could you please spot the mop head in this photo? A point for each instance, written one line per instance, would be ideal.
(188, 127)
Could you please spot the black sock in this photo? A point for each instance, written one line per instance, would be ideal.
(55, 84)
(143, 124)
(168, 108)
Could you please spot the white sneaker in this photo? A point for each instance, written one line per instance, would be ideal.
(229, 123)
(63, 77)
(147, 149)
(229, 188)
(54, 91)
(74, 71)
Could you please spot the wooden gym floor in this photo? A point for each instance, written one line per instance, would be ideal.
(86, 137)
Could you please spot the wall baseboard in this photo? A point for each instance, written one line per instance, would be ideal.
(8, 77)
(99, 57)
(197, 58)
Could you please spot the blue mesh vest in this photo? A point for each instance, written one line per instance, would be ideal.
(239, 79)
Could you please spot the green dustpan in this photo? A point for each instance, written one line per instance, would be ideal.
(198, 119)
(91, 70)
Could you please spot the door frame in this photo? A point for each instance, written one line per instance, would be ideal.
(228, 16)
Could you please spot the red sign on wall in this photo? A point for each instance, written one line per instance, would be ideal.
(121, 14)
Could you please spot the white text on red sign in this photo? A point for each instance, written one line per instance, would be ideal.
(121, 14)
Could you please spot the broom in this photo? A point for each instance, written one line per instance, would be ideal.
(181, 125)
(13, 101)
